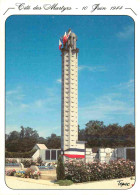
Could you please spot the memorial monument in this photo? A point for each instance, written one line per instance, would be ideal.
(70, 146)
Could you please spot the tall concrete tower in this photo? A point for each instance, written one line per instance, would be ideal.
(71, 147)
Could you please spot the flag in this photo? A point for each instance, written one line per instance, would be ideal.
(65, 38)
(75, 153)
(60, 43)
(69, 32)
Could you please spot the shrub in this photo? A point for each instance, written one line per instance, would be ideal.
(28, 172)
(60, 170)
(78, 171)
(64, 182)
(19, 154)
(7, 161)
(36, 174)
(28, 163)
(10, 172)
(39, 161)
(32, 174)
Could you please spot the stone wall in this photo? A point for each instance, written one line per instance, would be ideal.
(91, 155)
(108, 154)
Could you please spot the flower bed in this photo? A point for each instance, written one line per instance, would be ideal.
(20, 174)
(10, 172)
(11, 161)
(29, 173)
(78, 171)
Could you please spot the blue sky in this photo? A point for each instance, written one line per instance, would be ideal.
(33, 70)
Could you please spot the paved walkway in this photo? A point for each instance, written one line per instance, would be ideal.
(27, 183)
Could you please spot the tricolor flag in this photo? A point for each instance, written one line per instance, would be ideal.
(74, 153)
(65, 38)
(60, 43)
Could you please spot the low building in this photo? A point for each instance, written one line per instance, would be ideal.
(47, 155)
(90, 154)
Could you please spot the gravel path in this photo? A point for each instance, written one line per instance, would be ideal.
(24, 183)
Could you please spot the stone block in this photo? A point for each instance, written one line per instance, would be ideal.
(101, 150)
(87, 152)
(21, 166)
(107, 150)
(115, 152)
(120, 153)
(112, 154)
(88, 149)
(102, 158)
(102, 154)
(35, 168)
(89, 157)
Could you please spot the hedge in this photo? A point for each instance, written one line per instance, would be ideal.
(95, 171)
(19, 154)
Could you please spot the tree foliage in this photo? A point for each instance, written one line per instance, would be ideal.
(53, 141)
(96, 134)
(113, 135)
(22, 141)
(26, 138)
(60, 170)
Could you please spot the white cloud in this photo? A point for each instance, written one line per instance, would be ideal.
(39, 103)
(13, 99)
(11, 92)
(104, 107)
(129, 85)
(14, 91)
(9, 102)
(50, 92)
(59, 81)
(34, 111)
(127, 32)
(24, 106)
(17, 94)
(16, 102)
(92, 68)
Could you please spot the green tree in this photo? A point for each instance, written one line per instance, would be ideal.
(41, 140)
(29, 132)
(114, 129)
(22, 132)
(14, 135)
(129, 129)
(53, 141)
(93, 127)
(81, 135)
(22, 141)
(60, 170)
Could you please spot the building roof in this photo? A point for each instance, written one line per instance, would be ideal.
(41, 146)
